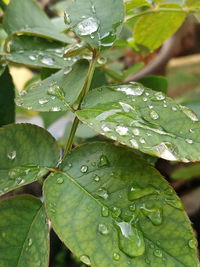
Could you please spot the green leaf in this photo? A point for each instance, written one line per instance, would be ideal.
(7, 95)
(26, 154)
(186, 172)
(37, 52)
(143, 119)
(57, 92)
(26, 17)
(131, 4)
(92, 22)
(151, 30)
(124, 212)
(24, 239)
(193, 3)
(157, 83)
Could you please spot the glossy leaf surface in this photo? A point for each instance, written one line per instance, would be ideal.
(92, 22)
(57, 92)
(24, 239)
(27, 18)
(124, 212)
(26, 153)
(143, 119)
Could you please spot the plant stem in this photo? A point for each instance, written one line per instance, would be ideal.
(85, 90)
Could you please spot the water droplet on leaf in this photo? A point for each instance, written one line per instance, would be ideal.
(102, 192)
(103, 229)
(103, 161)
(84, 168)
(85, 259)
(12, 155)
(136, 192)
(158, 253)
(87, 26)
(105, 211)
(60, 180)
(116, 256)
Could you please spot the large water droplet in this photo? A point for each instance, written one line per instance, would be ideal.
(43, 101)
(121, 130)
(102, 192)
(154, 115)
(12, 155)
(105, 211)
(47, 60)
(166, 150)
(85, 259)
(136, 192)
(103, 229)
(153, 213)
(103, 161)
(84, 168)
(189, 113)
(87, 26)
(131, 240)
(135, 90)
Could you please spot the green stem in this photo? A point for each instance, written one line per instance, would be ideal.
(85, 90)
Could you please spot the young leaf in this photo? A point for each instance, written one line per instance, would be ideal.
(92, 22)
(24, 239)
(143, 119)
(186, 172)
(124, 212)
(37, 52)
(26, 17)
(26, 153)
(151, 30)
(7, 95)
(58, 91)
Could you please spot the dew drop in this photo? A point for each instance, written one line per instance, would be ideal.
(132, 207)
(134, 143)
(174, 108)
(67, 18)
(102, 192)
(87, 26)
(159, 96)
(154, 214)
(134, 90)
(12, 155)
(84, 168)
(43, 101)
(131, 240)
(19, 181)
(22, 92)
(136, 192)
(103, 229)
(105, 128)
(55, 109)
(166, 150)
(116, 212)
(116, 256)
(158, 253)
(142, 141)
(145, 99)
(47, 60)
(67, 70)
(33, 58)
(85, 259)
(96, 178)
(189, 113)
(30, 242)
(136, 132)
(103, 161)
(192, 243)
(176, 203)
(154, 115)
(105, 211)
(189, 141)
(60, 180)
(55, 90)
(102, 61)
(121, 130)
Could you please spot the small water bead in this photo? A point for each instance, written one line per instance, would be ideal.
(151, 106)
(85, 259)
(189, 141)
(19, 180)
(47, 60)
(60, 180)
(55, 109)
(12, 155)
(22, 93)
(142, 141)
(158, 253)
(102, 192)
(121, 130)
(145, 99)
(32, 57)
(159, 96)
(132, 207)
(67, 70)
(43, 101)
(55, 90)
(105, 128)
(84, 168)
(103, 161)
(192, 243)
(154, 115)
(136, 192)
(174, 108)
(103, 229)
(116, 256)
(134, 143)
(93, 9)
(105, 211)
(87, 26)
(102, 60)
(30, 242)
(116, 212)
(191, 130)
(136, 132)
(131, 240)
(126, 107)
(135, 90)
(96, 178)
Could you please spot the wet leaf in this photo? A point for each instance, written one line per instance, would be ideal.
(143, 119)
(24, 238)
(25, 17)
(37, 52)
(123, 210)
(57, 92)
(26, 154)
(7, 95)
(92, 22)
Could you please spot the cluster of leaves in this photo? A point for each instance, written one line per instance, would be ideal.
(103, 200)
